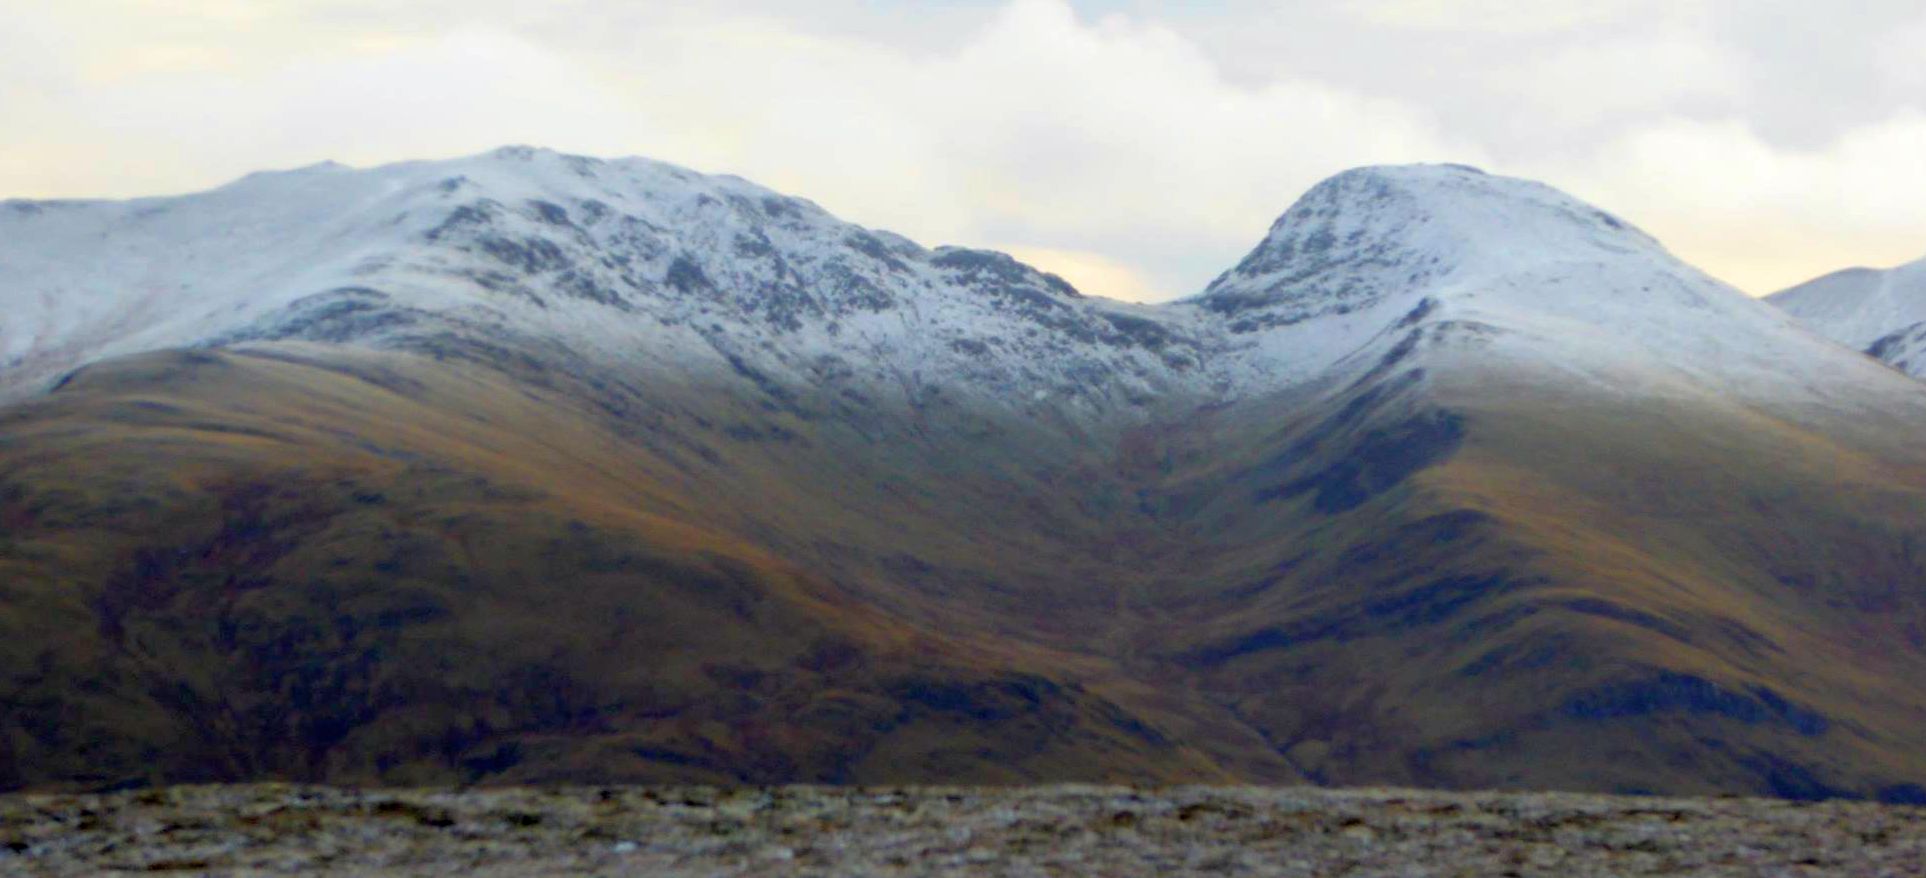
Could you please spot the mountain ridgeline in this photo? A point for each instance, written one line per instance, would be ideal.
(531, 467)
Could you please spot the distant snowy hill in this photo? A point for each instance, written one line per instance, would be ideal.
(1880, 312)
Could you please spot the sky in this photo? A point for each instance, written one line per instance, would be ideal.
(1136, 148)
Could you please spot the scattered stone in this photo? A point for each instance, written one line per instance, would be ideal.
(260, 830)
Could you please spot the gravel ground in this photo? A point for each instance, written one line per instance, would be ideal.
(1068, 830)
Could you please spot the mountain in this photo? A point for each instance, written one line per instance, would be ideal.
(531, 467)
(1880, 312)
(616, 260)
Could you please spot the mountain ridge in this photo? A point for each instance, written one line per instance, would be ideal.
(631, 256)
(948, 520)
(686, 253)
(509, 187)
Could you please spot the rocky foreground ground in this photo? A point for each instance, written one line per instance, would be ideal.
(1069, 830)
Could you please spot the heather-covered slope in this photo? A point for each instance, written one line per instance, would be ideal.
(1455, 481)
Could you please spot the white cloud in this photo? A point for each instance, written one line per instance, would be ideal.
(1496, 16)
(1761, 216)
(1113, 147)
(462, 92)
(1584, 83)
(1901, 54)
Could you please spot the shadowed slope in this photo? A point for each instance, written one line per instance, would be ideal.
(1447, 586)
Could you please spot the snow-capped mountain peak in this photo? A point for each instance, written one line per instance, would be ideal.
(1374, 232)
(641, 265)
(1476, 269)
(626, 261)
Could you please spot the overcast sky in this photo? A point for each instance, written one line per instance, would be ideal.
(1137, 148)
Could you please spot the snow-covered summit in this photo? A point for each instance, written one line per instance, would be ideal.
(1474, 269)
(1880, 312)
(648, 267)
(625, 261)
(1374, 232)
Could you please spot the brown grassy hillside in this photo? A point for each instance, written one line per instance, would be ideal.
(302, 562)
(365, 567)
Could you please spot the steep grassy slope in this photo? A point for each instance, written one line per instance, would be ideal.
(301, 563)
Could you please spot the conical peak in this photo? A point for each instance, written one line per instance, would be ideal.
(1369, 231)
(1458, 195)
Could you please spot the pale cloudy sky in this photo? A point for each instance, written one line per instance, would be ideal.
(1137, 148)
